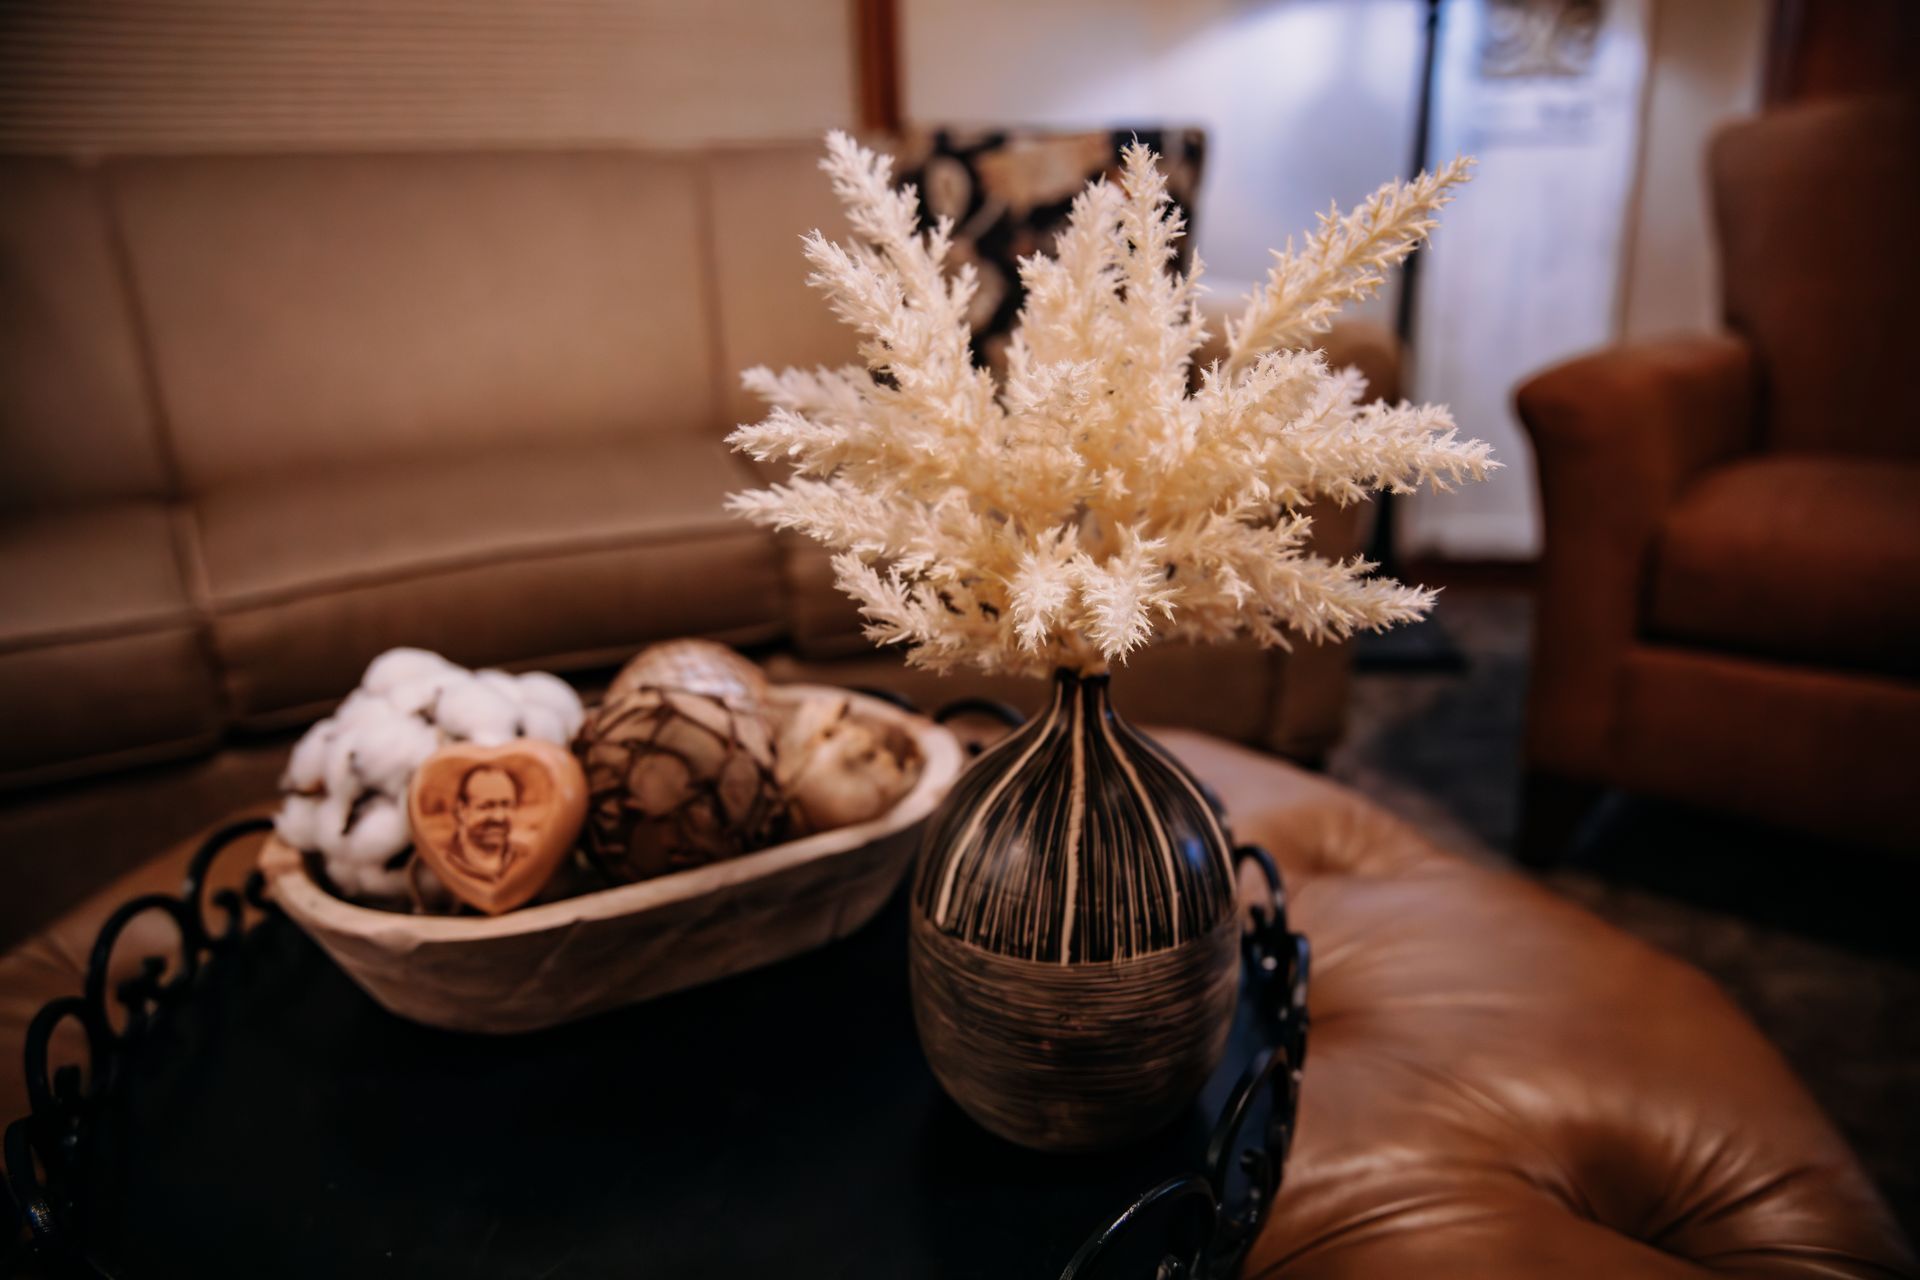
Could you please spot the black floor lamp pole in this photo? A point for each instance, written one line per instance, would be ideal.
(1382, 549)
(1422, 142)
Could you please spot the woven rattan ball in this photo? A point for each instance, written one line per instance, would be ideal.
(676, 779)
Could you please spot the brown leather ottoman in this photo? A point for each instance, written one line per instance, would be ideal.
(1498, 1083)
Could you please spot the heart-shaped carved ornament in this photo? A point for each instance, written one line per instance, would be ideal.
(495, 823)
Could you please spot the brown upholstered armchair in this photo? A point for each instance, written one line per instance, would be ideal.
(1729, 611)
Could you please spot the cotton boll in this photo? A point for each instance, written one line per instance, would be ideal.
(345, 880)
(396, 667)
(342, 783)
(387, 749)
(307, 766)
(418, 698)
(550, 692)
(298, 822)
(544, 724)
(376, 882)
(330, 823)
(378, 831)
(501, 683)
(359, 708)
(471, 711)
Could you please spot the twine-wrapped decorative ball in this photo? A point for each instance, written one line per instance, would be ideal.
(676, 779)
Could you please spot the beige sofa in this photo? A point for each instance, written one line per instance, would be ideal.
(262, 417)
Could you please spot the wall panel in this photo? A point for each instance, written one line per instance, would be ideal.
(168, 75)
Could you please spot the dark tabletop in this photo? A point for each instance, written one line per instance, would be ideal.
(781, 1123)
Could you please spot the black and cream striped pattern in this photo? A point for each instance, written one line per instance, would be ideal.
(1076, 840)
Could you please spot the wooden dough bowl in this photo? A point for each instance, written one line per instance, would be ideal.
(552, 963)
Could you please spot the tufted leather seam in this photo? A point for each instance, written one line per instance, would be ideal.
(1740, 1203)
(1569, 1195)
(1858, 1266)
(1343, 1233)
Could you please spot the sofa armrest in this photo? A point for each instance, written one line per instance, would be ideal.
(1617, 435)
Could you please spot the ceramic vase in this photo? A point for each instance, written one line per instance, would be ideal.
(1074, 946)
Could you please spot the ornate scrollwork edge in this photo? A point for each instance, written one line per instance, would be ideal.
(1216, 1241)
(43, 1149)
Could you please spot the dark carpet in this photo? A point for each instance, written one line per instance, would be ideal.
(1817, 942)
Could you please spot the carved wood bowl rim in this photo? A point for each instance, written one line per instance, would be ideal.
(941, 762)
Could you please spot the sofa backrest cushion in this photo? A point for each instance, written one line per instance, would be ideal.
(1815, 209)
(765, 199)
(74, 419)
(330, 310)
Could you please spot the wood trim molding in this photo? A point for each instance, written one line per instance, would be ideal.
(876, 50)
(1838, 50)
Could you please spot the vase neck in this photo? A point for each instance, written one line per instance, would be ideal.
(1092, 692)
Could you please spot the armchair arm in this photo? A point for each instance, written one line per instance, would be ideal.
(1617, 436)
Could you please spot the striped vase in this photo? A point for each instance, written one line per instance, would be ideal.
(1075, 949)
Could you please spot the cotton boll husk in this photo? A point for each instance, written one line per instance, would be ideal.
(551, 693)
(471, 711)
(396, 667)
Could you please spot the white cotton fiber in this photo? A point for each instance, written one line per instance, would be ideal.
(396, 667)
(544, 724)
(298, 822)
(387, 748)
(551, 693)
(307, 766)
(474, 712)
(375, 831)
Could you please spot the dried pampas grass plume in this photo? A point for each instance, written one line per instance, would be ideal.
(1093, 503)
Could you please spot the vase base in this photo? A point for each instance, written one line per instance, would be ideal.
(1073, 1057)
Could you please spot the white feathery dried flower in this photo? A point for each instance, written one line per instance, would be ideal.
(1093, 503)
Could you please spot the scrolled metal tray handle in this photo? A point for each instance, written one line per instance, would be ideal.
(1211, 1238)
(45, 1147)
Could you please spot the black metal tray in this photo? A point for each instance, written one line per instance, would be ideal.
(259, 1116)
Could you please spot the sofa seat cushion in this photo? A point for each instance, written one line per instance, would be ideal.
(1795, 557)
(564, 558)
(100, 651)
